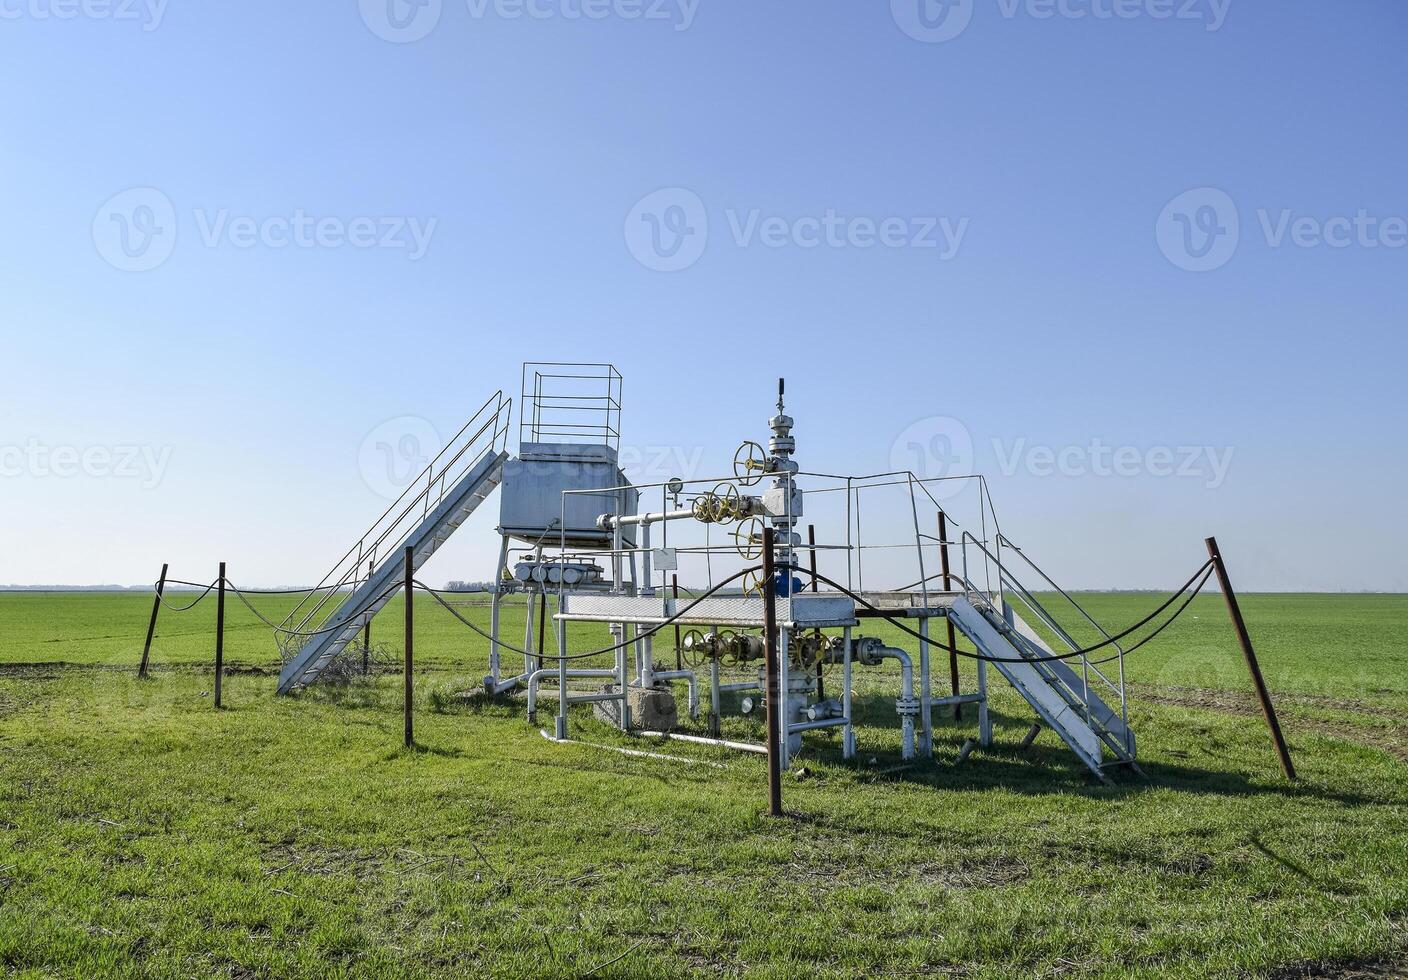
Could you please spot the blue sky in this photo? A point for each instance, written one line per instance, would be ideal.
(1050, 179)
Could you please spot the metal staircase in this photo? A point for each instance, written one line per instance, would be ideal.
(436, 503)
(1066, 695)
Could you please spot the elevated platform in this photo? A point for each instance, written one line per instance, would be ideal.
(912, 604)
(806, 611)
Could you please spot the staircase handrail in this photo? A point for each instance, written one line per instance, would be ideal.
(493, 418)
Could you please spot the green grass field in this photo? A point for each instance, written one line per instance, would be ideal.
(144, 833)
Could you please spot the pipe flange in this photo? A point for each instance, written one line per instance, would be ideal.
(907, 707)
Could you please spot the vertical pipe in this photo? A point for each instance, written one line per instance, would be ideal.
(408, 591)
(775, 712)
(715, 695)
(952, 639)
(622, 677)
(675, 591)
(561, 631)
(1234, 610)
(151, 626)
(784, 686)
(220, 636)
(816, 587)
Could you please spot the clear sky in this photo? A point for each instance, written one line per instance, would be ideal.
(1145, 257)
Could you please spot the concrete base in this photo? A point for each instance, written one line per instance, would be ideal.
(651, 708)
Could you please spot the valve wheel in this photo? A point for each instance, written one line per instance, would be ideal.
(725, 648)
(726, 504)
(692, 648)
(748, 539)
(703, 508)
(753, 582)
(750, 462)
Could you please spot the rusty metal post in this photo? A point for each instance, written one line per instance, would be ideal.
(952, 639)
(408, 591)
(220, 636)
(775, 712)
(1234, 610)
(542, 623)
(367, 631)
(151, 626)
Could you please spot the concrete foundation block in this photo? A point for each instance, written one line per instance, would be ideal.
(651, 708)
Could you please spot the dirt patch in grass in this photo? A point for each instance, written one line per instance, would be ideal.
(312, 859)
(1391, 737)
(984, 873)
(1378, 969)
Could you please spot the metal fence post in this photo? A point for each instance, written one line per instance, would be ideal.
(220, 636)
(151, 626)
(367, 631)
(1268, 710)
(952, 639)
(409, 592)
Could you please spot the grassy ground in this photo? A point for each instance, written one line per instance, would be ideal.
(142, 832)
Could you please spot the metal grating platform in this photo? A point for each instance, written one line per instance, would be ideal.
(801, 612)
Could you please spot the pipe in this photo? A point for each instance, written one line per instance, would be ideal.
(872, 648)
(807, 726)
(685, 675)
(609, 522)
(509, 683)
(538, 675)
(701, 740)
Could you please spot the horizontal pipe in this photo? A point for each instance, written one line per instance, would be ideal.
(631, 752)
(806, 726)
(593, 698)
(701, 740)
(504, 685)
(959, 699)
(609, 521)
(538, 675)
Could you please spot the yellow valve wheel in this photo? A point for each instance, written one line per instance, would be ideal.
(748, 539)
(727, 503)
(750, 462)
(753, 583)
(703, 508)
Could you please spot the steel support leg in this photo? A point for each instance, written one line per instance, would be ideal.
(848, 738)
(926, 697)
